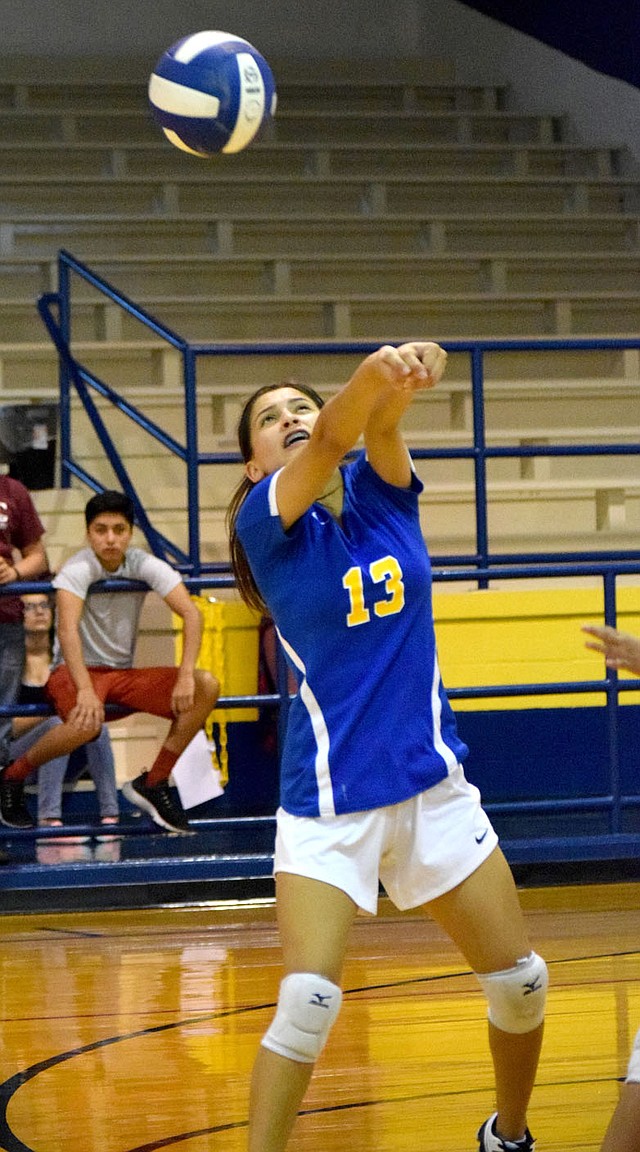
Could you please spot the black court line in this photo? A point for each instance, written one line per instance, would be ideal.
(209, 932)
(217, 1129)
(70, 933)
(12, 1143)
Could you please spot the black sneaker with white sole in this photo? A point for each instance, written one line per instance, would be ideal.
(158, 802)
(490, 1142)
(13, 810)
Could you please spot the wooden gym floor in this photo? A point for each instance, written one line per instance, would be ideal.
(133, 1031)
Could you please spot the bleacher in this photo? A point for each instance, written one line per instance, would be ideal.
(373, 210)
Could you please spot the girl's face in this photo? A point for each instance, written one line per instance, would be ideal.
(281, 423)
(38, 612)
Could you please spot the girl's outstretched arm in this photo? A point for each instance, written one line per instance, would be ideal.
(386, 449)
(382, 384)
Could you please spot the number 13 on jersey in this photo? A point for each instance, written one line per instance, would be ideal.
(386, 570)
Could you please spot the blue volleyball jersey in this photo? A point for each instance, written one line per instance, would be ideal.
(371, 724)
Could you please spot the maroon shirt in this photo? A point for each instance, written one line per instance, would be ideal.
(20, 526)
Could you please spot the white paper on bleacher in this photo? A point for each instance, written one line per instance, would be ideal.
(194, 773)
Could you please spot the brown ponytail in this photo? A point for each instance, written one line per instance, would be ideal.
(245, 583)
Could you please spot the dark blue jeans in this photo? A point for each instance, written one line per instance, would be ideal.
(11, 665)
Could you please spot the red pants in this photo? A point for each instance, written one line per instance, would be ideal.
(136, 689)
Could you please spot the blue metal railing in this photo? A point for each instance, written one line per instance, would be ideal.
(73, 375)
(613, 803)
(480, 567)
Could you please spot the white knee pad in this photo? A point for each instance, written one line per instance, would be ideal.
(307, 1007)
(633, 1071)
(517, 996)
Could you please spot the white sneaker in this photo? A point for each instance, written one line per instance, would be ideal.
(489, 1142)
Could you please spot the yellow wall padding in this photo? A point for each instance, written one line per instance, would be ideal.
(230, 651)
(487, 636)
(499, 636)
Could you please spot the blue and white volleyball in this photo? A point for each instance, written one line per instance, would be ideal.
(212, 92)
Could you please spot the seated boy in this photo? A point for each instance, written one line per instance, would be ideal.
(97, 634)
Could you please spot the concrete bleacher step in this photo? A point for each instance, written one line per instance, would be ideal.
(55, 503)
(535, 510)
(137, 275)
(524, 392)
(342, 316)
(135, 445)
(62, 513)
(535, 400)
(538, 376)
(320, 125)
(385, 317)
(410, 84)
(162, 479)
(30, 370)
(377, 318)
(365, 91)
(26, 84)
(87, 235)
(63, 508)
(62, 126)
(295, 158)
(522, 387)
(315, 125)
(31, 84)
(606, 485)
(375, 273)
(368, 195)
(515, 414)
(608, 502)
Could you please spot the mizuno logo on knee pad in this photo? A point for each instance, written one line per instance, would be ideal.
(534, 986)
(320, 1000)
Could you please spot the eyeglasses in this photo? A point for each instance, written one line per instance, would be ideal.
(41, 605)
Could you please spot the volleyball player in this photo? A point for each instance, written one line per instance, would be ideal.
(372, 783)
(621, 651)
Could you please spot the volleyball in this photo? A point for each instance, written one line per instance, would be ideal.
(212, 92)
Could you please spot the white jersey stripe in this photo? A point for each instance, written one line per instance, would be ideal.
(321, 733)
(273, 503)
(439, 744)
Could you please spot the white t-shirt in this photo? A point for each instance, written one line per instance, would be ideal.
(109, 622)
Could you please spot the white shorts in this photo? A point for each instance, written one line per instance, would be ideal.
(633, 1071)
(419, 849)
